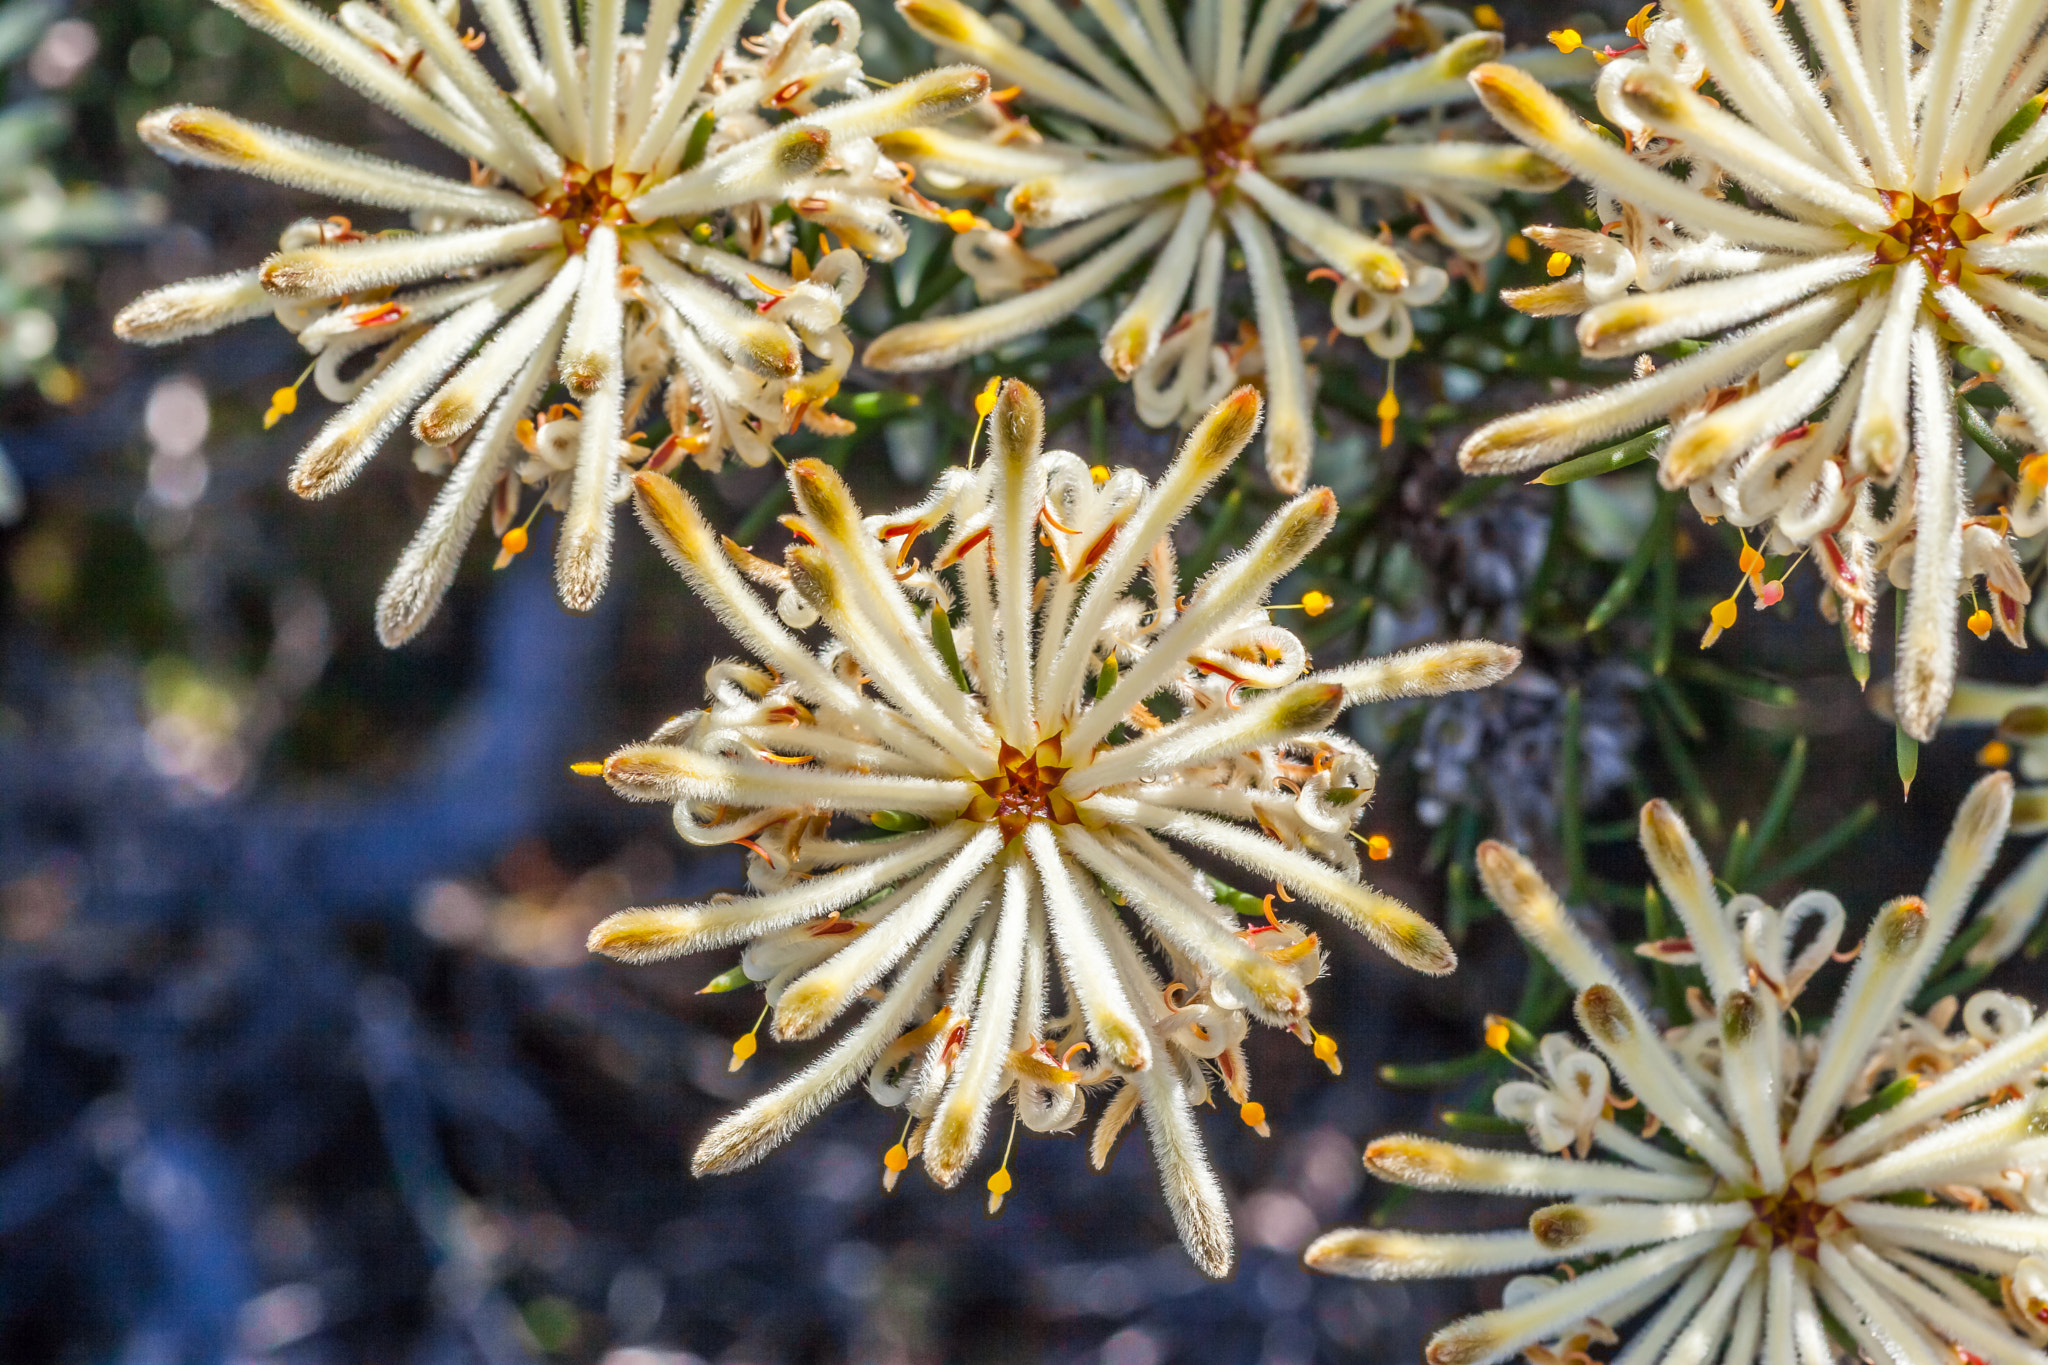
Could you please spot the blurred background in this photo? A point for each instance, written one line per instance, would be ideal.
(301, 1055)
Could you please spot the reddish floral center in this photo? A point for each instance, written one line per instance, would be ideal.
(1933, 231)
(1793, 1219)
(1024, 788)
(1220, 142)
(587, 198)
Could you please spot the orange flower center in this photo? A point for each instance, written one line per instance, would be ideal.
(587, 198)
(1025, 788)
(1932, 230)
(1220, 144)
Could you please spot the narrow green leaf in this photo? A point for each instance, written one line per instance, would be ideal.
(1632, 451)
(1682, 767)
(1623, 589)
(1772, 823)
(1906, 750)
(700, 138)
(942, 640)
(1430, 1075)
(1467, 1121)
(1978, 428)
(729, 980)
(1836, 837)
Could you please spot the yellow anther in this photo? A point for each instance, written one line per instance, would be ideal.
(1518, 249)
(1326, 1053)
(1316, 603)
(285, 401)
(985, 401)
(1566, 39)
(744, 1045)
(514, 541)
(799, 264)
(999, 1183)
(589, 768)
(1996, 754)
(1389, 408)
(998, 1186)
(1497, 1034)
(2034, 469)
(1254, 1115)
(1641, 23)
(1487, 17)
(1751, 561)
(1557, 264)
(1379, 848)
(897, 1158)
(960, 220)
(1723, 613)
(1980, 623)
(1099, 473)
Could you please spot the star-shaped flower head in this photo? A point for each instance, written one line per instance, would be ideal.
(1877, 1185)
(1843, 221)
(1048, 741)
(1200, 139)
(615, 233)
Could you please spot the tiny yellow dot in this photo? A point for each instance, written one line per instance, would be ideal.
(514, 541)
(1252, 1112)
(1497, 1035)
(742, 1048)
(1723, 613)
(960, 220)
(1379, 848)
(1566, 39)
(1316, 603)
(999, 1183)
(1099, 473)
(985, 401)
(1487, 17)
(1980, 623)
(588, 768)
(1518, 249)
(1558, 263)
(1996, 754)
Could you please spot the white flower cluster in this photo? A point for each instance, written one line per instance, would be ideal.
(1844, 217)
(1875, 1187)
(1201, 144)
(1032, 905)
(617, 232)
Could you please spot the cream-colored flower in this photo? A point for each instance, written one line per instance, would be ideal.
(1881, 1175)
(1200, 147)
(616, 232)
(1841, 217)
(1041, 736)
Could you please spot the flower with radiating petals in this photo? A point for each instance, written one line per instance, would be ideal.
(615, 232)
(1779, 1192)
(1845, 220)
(1039, 737)
(1200, 143)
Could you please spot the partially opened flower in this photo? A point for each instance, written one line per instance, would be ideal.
(1048, 741)
(1202, 148)
(1847, 217)
(615, 232)
(1877, 1185)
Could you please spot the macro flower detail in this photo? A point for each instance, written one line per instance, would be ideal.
(1207, 147)
(1035, 762)
(1853, 222)
(616, 232)
(1877, 1186)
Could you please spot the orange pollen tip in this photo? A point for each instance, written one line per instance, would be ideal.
(1980, 623)
(897, 1158)
(1252, 1112)
(1557, 263)
(1996, 754)
(1752, 560)
(1497, 1035)
(1379, 848)
(589, 768)
(514, 541)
